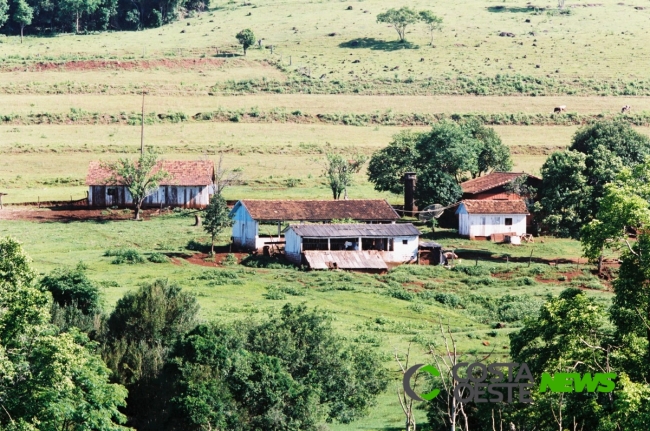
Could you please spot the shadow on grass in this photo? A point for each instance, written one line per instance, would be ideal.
(378, 45)
(227, 55)
(511, 9)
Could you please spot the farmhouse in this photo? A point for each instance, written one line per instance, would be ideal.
(248, 214)
(189, 185)
(493, 185)
(351, 246)
(485, 218)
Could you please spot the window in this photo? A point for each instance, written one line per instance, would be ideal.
(508, 221)
(405, 241)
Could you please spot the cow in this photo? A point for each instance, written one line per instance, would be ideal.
(626, 109)
(559, 109)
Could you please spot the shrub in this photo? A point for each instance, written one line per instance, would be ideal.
(274, 293)
(230, 259)
(449, 299)
(125, 255)
(400, 293)
(158, 258)
(475, 271)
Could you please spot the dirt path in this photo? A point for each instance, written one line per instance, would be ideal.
(66, 215)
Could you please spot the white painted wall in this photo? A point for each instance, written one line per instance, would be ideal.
(191, 197)
(293, 246)
(244, 228)
(473, 225)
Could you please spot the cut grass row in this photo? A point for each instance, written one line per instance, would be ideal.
(278, 115)
(315, 103)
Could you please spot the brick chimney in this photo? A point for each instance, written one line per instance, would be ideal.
(410, 180)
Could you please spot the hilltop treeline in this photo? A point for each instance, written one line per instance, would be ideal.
(47, 16)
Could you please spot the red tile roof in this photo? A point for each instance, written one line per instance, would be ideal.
(320, 210)
(490, 181)
(181, 173)
(495, 207)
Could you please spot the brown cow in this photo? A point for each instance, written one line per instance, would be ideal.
(626, 109)
(559, 109)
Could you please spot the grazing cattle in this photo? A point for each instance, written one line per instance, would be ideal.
(626, 109)
(559, 109)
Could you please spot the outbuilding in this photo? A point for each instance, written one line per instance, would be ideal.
(494, 186)
(249, 214)
(351, 246)
(479, 219)
(189, 185)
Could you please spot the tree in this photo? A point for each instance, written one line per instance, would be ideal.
(432, 22)
(141, 177)
(246, 39)
(448, 148)
(387, 166)
(141, 332)
(436, 187)
(217, 218)
(492, 154)
(48, 380)
(23, 15)
(608, 147)
(4, 12)
(399, 18)
(339, 171)
(77, 8)
(562, 206)
(225, 177)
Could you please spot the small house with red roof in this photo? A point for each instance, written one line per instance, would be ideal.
(495, 186)
(478, 219)
(189, 185)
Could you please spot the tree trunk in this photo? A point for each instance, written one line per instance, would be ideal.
(600, 263)
(22, 27)
(212, 246)
(137, 210)
(77, 22)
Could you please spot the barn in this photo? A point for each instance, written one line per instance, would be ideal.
(189, 185)
(351, 246)
(484, 218)
(249, 214)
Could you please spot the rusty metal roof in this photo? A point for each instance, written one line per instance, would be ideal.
(320, 210)
(490, 181)
(354, 230)
(322, 259)
(181, 173)
(495, 206)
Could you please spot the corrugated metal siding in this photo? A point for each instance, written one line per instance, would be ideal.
(345, 260)
(354, 230)
(168, 196)
(244, 229)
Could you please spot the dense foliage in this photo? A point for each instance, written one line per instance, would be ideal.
(40, 16)
(444, 157)
(574, 181)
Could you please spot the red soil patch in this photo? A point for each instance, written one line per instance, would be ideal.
(199, 259)
(66, 214)
(86, 65)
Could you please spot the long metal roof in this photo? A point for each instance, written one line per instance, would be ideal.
(354, 230)
(344, 259)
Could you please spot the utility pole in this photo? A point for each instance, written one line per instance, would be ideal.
(142, 128)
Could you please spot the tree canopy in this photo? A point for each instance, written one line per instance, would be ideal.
(217, 217)
(399, 19)
(246, 39)
(339, 172)
(387, 166)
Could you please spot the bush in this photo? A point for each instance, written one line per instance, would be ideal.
(220, 278)
(158, 258)
(230, 259)
(475, 271)
(449, 299)
(400, 293)
(274, 293)
(71, 287)
(125, 255)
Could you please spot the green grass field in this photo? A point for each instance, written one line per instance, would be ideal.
(327, 60)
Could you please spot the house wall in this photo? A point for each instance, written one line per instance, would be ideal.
(244, 229)
(293, 246)
(487, 224)
(168, 196)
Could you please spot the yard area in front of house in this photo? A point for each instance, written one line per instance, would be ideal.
(392, 311)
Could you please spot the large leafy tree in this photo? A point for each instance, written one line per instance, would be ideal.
(432, 21)
(387, 166)
(399, 19)
(141, 177)
(48, 380)
(562, 206)
(217, 217)
(492, 154)
(288, 373)
(4, 12)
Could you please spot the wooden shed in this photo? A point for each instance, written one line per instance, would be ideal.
(189, 185)
(248, 214)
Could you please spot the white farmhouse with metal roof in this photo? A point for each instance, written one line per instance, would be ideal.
(351, 246)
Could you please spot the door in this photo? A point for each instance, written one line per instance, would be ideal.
(482, 226)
